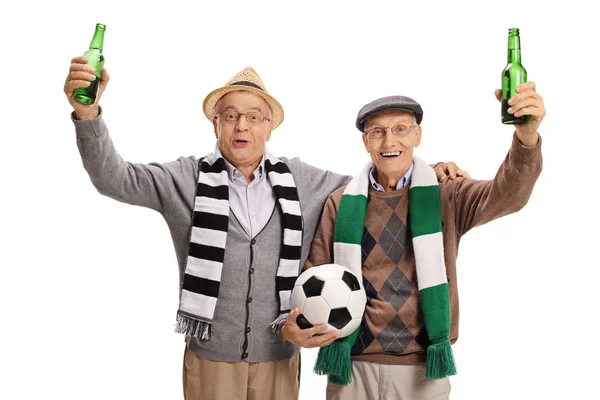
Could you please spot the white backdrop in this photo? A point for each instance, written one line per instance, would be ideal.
(88, 286)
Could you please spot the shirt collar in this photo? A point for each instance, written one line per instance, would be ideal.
(401, 183)
(235, 175)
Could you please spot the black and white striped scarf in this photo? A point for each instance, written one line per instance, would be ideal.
(210, 221)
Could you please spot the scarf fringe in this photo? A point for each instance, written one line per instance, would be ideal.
(334, 360)
(440, 361)
(193, 327)
(278, 323)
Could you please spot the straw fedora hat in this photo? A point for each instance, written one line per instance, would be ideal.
(248, 80)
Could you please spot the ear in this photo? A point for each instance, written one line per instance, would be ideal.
(365, 141)
(269, 131)
(418, 138)
(214, 121)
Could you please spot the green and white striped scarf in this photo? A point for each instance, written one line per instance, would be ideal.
(424, 207)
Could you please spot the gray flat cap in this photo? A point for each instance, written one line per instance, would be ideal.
(385, 104)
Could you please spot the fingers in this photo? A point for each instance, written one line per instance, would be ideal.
(452, 172)
(444, 171)
(70, 86)
(528, 94)
(439, 172)
(79, 71)
(533, 111)
(463, 174)
(524, 106)
(525, 86)
(80, 75)
(307, 338)
(81, 67)
(527, 101)
(527, 106)
(452, 168)
(322, 340)
(524, 91)
(333, 338)
(315, 330)
(79, 60)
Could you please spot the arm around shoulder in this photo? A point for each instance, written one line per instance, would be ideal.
(321, 251)
(320, 182)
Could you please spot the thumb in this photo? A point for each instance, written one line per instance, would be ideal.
(498, 94)
(293, 315)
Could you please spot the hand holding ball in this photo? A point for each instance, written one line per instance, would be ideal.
(329, 294)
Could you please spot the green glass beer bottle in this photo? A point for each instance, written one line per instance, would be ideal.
(513, 75)
(96, 60)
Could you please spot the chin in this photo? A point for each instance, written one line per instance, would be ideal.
(397, 172)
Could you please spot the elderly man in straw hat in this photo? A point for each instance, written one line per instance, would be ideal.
(404, 242)
(242, 221)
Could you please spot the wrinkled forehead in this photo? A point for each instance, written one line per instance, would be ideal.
(390, 118)
(242, 100)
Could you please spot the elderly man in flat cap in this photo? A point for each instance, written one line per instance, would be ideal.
(399, 229)
(242, 221)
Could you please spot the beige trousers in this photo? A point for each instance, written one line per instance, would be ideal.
(390, 382)
(215, 380)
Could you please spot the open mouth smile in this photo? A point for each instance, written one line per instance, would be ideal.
(390, 154)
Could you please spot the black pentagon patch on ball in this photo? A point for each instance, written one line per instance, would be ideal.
(313, 287)
(303, 322)
(351, 281)
(339, 317)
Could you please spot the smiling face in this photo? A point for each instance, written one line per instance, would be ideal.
(241, 143)
(391, 154)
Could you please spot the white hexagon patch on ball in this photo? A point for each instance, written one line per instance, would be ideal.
(329, 294)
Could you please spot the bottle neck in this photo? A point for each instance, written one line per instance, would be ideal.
(514, 50)
(98, 39)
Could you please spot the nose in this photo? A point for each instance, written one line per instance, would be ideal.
(242, 123)
(389, 138)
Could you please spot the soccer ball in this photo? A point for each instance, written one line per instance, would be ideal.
(329, 294)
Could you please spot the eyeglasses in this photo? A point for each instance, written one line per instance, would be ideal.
(397, 130)
(252, 117)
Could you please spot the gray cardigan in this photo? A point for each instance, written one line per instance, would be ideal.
(247, 297)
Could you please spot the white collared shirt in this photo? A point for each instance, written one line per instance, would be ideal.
(401, 183)
(251, 203)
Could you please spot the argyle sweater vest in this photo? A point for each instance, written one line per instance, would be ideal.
(393, 323)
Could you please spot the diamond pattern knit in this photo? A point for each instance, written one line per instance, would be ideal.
(393, 319)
